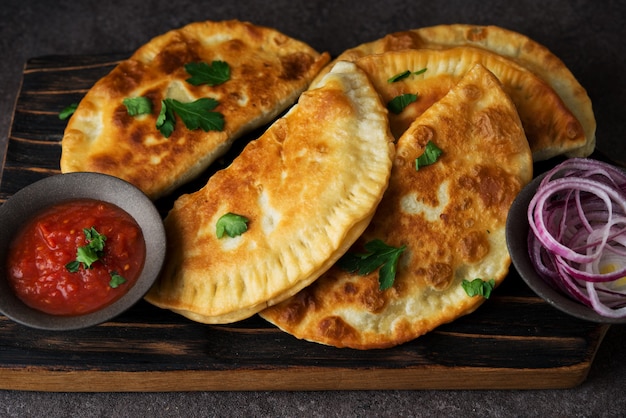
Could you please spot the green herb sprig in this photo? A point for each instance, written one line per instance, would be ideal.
(88, 254)
(398, 103)
(405, 74)
(231, 224)
(195, 115)
(68, 111)
(213, 74)
(430, 155)
(136, 106)
(479, 287)
(377, 255)
(116, 280)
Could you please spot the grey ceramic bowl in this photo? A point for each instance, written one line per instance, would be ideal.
(51, 190)
(517, 229)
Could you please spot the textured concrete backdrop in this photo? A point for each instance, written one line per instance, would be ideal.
(587, 35)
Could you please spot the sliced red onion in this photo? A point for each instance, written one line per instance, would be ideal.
(577, 239)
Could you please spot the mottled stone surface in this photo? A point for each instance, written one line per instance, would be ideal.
(587, 35)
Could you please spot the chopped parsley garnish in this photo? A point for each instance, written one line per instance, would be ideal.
(399, 76)
(405, 74)
(116, 280)
(166, 121)
(195, 115)
(90, 253)
(68, 111)
(398, 103)
(231, 224)
(212, 74)
(377, 255)
(136, 106)
(430, 155)
(479, 287)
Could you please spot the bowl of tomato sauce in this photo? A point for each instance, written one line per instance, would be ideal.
(77, 250)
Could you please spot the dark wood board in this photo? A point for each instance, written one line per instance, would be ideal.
(513, 341)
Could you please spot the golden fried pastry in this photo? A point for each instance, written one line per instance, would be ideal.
(307, 189)
(447, 218)
(579, 139)
(243, 76)
(550, 127)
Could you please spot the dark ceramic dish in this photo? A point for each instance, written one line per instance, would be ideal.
(517, 229)
(51, 190)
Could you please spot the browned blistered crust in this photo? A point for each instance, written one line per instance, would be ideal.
(558, 116)
(451, 216)
(269, 70)
(309, 187)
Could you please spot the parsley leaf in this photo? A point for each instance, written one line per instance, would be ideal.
(136, 106)
(68, 111)
(195, 115)
(430, 155)
(73, 266)
(405, 74)
(231, 224)
(212, 74)
(399, 76)
(116, 280)
(95, 239)
(88, 254)
(166, 121)
(377, 255)
(398, 103)
(479, 287)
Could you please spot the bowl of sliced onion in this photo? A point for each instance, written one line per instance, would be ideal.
(566, 233)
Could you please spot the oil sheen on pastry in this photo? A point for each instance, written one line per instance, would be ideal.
(551, 129)
(450, 215)
(268, 71)
(308, 186)
(578, 141)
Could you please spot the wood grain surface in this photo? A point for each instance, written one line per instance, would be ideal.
(514, 341)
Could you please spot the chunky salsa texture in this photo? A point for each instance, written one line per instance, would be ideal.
(41, 251)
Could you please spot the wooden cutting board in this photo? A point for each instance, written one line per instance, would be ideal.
(514, 341)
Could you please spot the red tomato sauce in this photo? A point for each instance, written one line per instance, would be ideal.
(41, 250)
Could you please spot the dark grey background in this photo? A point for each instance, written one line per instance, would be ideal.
(589, 36)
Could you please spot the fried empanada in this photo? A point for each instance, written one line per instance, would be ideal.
(267, 72)
(450, 215)
(308, 188)
(577, 141)
(549, 125)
